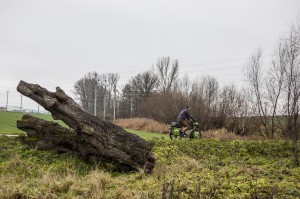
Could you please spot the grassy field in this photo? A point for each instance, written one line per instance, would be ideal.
(148, 135)
(8, 122)
(205, 168)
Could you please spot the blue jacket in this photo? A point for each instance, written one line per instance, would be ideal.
(185, 114)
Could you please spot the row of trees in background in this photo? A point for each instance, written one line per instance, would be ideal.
(269, 105)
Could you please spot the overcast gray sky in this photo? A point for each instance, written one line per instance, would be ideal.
(56, 42)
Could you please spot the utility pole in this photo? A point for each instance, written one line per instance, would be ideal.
(21, 107)
(115, 102)
(130, 107)
(118, 105)
(7, 100)
(104, 106)
(95, 100)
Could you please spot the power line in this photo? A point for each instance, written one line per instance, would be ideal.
(221, 61)
(209, 63)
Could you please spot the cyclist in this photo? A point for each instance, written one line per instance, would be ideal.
(184, 119)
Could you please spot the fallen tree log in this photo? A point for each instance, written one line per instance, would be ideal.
(89, 136)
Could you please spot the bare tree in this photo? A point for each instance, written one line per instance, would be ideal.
(100, 85)
(112, 82)
(275, 86)
(159, 106)
(167, 73)
(84, 89)
(257, 94)
(181, 94)
(227, 107)
(203, 99)
(277, 101)
(184, 86)
(245, 123)
(211, 87)
(197, 101)
(136, 91)
(145, 83)
(126, 101)
(292, 88)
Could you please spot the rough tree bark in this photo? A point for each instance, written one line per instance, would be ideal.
(89, 136)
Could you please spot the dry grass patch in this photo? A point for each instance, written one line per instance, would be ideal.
(143, 124)
(223, 134)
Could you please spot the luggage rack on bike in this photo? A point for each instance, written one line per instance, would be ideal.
(175, 124)
(176, 132)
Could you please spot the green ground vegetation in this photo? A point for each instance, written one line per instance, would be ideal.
(203, 168)
(184, 169)
(148, 135)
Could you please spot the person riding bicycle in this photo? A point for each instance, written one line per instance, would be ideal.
(184, 119)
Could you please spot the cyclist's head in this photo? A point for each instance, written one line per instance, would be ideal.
(188, 107)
